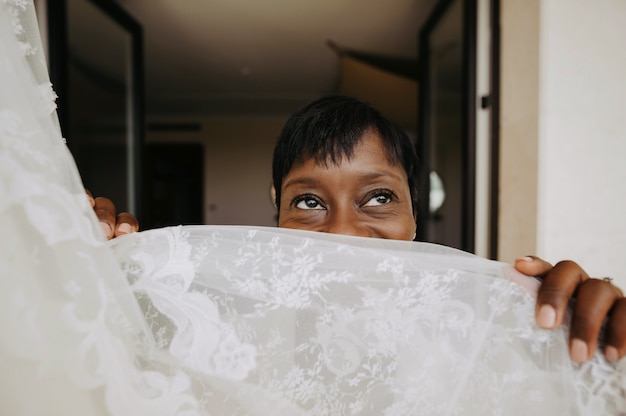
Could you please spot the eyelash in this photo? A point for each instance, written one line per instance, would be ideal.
(305, 197)
(389, 194)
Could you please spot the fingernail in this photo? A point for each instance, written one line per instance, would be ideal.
(124, 228)
(108, 230)
(578, 350)
(527, 259)
(611, 354)
(546, 317)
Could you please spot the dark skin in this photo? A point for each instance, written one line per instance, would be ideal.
(369, 196)
(596, 300)
(113, 225)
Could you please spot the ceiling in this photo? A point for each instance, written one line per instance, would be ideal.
(261, 57)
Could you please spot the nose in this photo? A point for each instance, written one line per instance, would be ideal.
(346, 222)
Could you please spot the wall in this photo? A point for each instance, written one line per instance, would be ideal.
(237, 171)
(563, 133)
(519, 106)
(394, 95)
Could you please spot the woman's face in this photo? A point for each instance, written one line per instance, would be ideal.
(366, 196)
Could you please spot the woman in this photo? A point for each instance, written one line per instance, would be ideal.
(340, 167)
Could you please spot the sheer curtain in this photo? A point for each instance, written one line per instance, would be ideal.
(247, 320)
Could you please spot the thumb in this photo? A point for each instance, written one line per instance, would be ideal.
(532, 266)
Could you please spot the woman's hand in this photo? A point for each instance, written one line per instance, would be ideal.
(113, 225)
(597, 300)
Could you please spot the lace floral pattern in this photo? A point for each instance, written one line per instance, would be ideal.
(363, 331)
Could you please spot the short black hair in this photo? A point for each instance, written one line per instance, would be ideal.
(328, 129)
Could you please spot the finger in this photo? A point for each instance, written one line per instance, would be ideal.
(105, 211)
(615, 331)
(126, 224)
(90, 198)
(594, 299)
(532, 266)
(558, 286)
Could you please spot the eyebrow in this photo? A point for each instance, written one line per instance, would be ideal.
(300, 181)
(308, 180)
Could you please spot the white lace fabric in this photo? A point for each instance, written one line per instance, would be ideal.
(210, 320)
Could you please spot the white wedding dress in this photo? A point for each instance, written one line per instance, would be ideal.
(210, 320)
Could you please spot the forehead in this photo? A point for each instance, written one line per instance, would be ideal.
(368, 155)
(369, 144)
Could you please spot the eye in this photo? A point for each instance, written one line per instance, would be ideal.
(379, 197)
(307, 202)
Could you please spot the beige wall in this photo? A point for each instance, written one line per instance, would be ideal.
(563, 132)
(394, 95)
(519, 129)
(237, 167)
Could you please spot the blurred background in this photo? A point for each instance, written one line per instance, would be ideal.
(171, 108)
